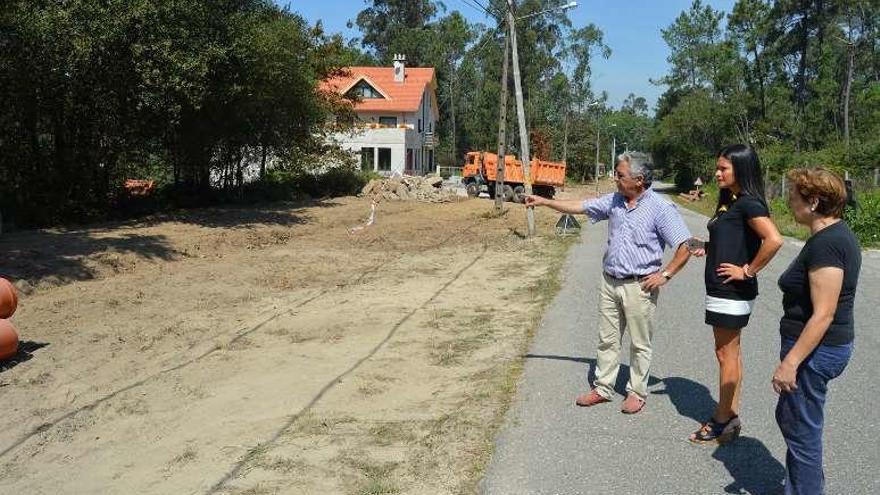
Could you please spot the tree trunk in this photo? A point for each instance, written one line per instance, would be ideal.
(761, 93)
(846, 93)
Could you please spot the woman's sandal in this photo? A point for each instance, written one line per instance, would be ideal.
(715, 432)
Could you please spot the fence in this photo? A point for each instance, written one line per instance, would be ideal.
(865, 180)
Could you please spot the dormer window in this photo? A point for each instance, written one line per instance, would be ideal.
(363, 90)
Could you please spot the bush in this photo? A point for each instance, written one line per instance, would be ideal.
(865, 220)
(337, 181)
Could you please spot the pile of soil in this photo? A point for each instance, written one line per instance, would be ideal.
(427, 189)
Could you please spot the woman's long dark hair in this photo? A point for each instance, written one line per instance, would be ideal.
(746, 170)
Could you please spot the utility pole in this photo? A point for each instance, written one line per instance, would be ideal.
(521, 116)
(452, 109)
(565, 140)
(502, 131)
(597, 149)
(565, 132)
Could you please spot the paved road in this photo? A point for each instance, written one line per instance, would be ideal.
(550, 446)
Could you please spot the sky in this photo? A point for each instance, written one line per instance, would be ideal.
(631, 29)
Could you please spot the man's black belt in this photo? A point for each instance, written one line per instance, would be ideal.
(625, 278)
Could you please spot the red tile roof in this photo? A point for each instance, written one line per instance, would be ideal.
(399, 97)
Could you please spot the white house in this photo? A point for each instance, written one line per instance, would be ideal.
(397, 117)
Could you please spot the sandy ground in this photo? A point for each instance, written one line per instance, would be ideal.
(269, 350)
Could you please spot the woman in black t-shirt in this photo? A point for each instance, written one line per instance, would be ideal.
(742, 240)
(818, 288)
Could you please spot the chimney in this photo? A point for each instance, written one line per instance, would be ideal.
(399, 67)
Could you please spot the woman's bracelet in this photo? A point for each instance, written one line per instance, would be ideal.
(746, 271)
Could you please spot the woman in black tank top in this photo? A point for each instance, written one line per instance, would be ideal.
(742, 240)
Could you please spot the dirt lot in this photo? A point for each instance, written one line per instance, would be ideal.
(269, 350)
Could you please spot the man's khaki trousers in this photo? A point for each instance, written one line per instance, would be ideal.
(624, 306)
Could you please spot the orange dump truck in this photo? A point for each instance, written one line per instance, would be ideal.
(479, 173)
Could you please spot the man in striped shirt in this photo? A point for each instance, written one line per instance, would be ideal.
(641, 224)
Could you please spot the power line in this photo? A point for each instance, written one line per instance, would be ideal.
(488, 7)
(476, 5)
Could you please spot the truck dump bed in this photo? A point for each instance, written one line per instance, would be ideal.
(543, 173)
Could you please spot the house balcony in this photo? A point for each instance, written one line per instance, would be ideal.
(374, 125)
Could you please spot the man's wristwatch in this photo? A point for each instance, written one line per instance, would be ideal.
(666, 274)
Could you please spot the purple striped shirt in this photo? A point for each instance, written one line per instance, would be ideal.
(637, 236)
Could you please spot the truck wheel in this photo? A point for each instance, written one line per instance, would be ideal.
(519, 194)
(507, 192)
(473, 189)
(491, 190)
(545, 191)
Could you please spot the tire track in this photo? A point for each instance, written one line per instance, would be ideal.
(238, 466)
(238, 336)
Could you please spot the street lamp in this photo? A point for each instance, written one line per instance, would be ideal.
(561, 8)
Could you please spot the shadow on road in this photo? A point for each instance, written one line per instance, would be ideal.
(753, 468)
(691, 399)
(751, 465)
(622, 375)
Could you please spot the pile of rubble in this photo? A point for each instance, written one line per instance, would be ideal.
(409, 188)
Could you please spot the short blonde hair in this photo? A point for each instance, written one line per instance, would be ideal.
(822, 185)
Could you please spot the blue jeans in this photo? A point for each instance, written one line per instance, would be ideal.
(800, 416)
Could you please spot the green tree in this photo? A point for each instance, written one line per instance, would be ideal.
(96, 92)
(397, 26)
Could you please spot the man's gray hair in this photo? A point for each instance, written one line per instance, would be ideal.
(637, 167)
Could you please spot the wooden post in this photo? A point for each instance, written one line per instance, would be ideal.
(565, 140)
(596, 172)
(502, 129)
(453, 151)
(521, 117)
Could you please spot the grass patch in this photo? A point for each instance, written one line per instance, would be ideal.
(370, 388)
(255, 455)
(492, 213)
(310, 424)
(377, 477)
(496, 385)
(474, 333)
(185, 457)
(395, 432)
(285, 465)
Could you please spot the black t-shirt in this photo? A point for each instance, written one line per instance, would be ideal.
(732, 240)
(835, 246)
